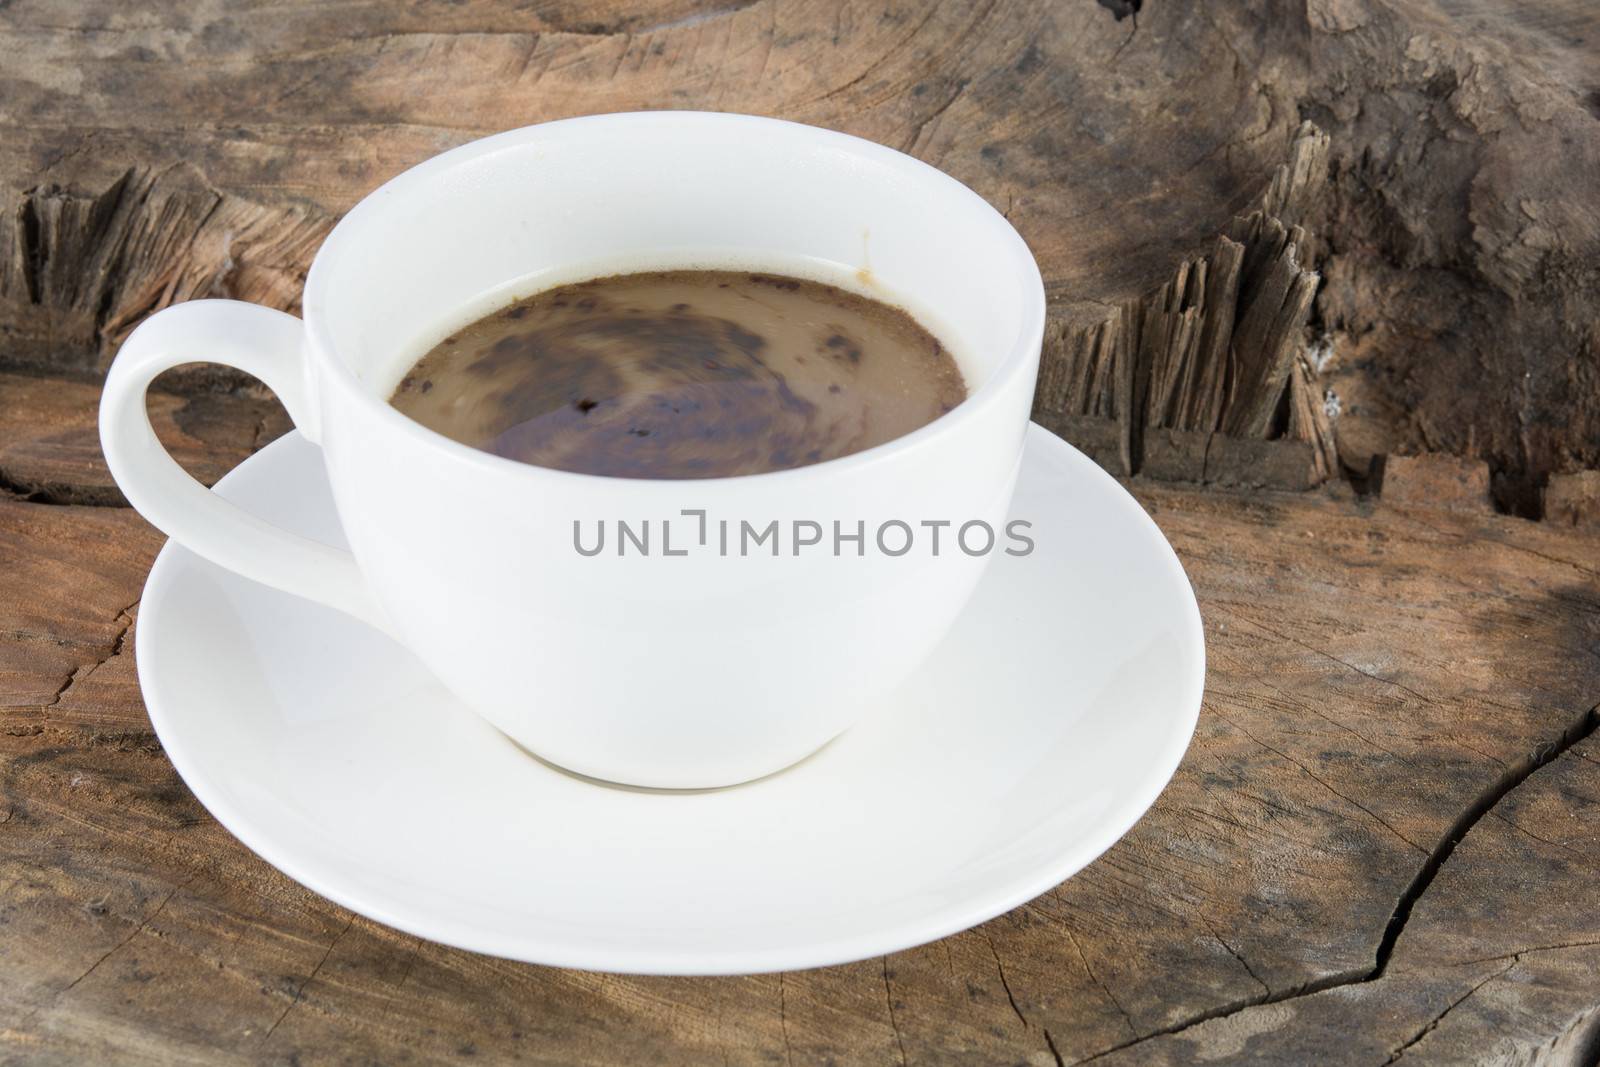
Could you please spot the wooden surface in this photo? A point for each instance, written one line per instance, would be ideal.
(1386, 835)
(1384, 841)
(159, 152)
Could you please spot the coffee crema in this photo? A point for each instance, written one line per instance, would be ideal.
(684, 374)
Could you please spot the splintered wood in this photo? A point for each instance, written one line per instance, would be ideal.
(1215, 351)
(83, 269)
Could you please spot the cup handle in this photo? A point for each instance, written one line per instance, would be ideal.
(258, 341)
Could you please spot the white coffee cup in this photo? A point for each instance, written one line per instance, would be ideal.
(682, 670)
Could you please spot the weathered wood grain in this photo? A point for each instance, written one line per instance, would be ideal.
(1434, 480)
(85, 268)
(315, 109)
(1377, 675)
(1382, 842)
(1212, 357)
(155, 153)
(1066, 149)
(50, 439)
(1495, 964)
(1462, 225)
(319, 106)
(1573, 499)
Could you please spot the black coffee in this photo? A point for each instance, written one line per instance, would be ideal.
(684, 374)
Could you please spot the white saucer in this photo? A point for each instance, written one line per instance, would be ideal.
(1044, 727)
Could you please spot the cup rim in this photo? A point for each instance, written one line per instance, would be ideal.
(1019, 360)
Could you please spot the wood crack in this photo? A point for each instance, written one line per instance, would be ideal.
(783, 1020)
(1330, 656)
(411, 963)
(933, 10)
(1112, 997)
(1437, 1019)
(1517, 774)
(888, 1000)
(1542, 755)
(1126, 41)
(143, 924)
(1001, 968)
(104, 654)
(1051, 1042)
(125, 618)
(57, 494)
(1564, 946)
(1224, 1011)
(137, 930)
(936, 114)
(1251, 971)
(301, 989)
